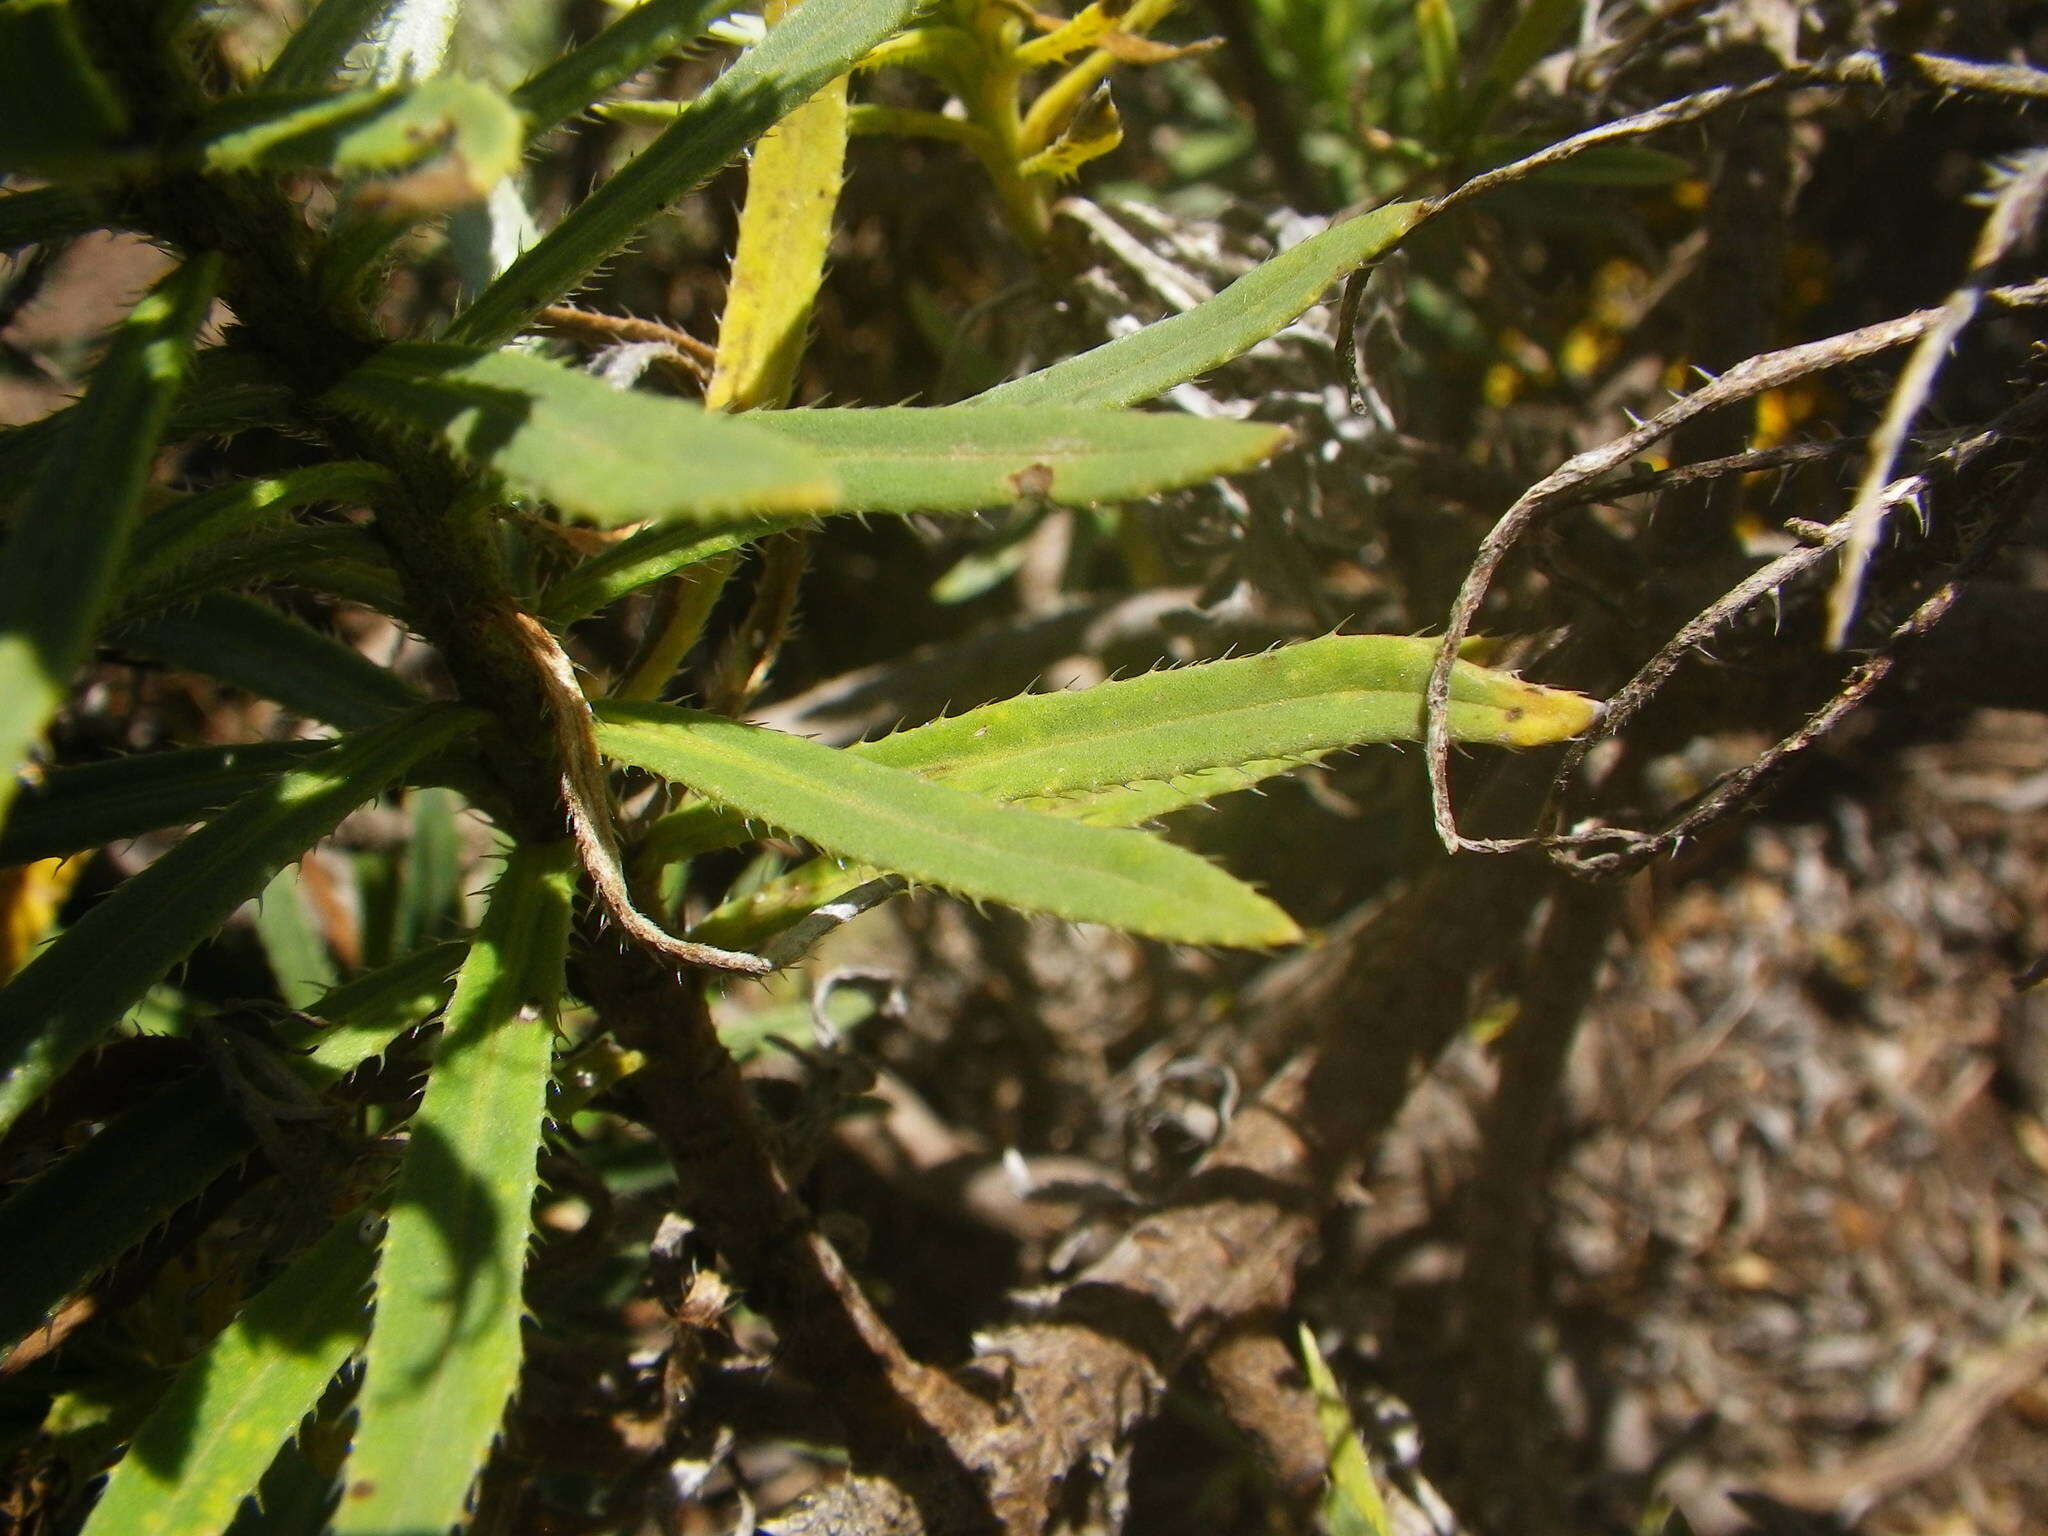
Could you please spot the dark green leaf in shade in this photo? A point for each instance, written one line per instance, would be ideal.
(78, 988)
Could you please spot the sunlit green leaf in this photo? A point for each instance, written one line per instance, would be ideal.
(445, 1350)
(941, 836)
(1263, 302)
(299, 962)
(1352, 1505)
(239, 1399)
(644, 35)
(604, 453)
(1339, 691)
(807, 49)
(359, 1018)
(964, 459)
(644, 557)
(1121, 754)
(441, 141)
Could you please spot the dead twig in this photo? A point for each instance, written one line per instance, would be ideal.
(1746, 380)
(588, 326)
(2014, 211)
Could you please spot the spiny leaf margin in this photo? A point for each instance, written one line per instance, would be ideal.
(944, 837)
(444, 1351)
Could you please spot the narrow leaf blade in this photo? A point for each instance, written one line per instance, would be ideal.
(176, 534)
(69, 810)
(451, 139)
(645, 557)
(444, 1352)
(603, 453)
(942, 836)
(316, 51)
(1352, 1505)
(84, 1212)
(299, 962)
(963, 459)
(275, 656)
(62, 113)
(1293, 702)
(644, 35)
(812, 44)
(359, 1018)
(80, 986)
(208, 1441)
(1262, 303)
(57, 566)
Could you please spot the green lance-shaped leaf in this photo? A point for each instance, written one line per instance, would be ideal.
(76, 1218)
(1124, 753)
(440, 142)
(1298, 700)
(317, 49)
(1352, 1505)
(1133, 805)
(300, 965)
(444, 1352)
(63, 116)
(645, 557)
(78, 988)
(1436, 30)
(66, 543)
(273, 655)
(1260, 304)
(68, 810)
(343, 560)
(941, 836)
(188, 528)
(800, 55)
(359, 1018)
(966, 458)
(226, 1413)
(793, 179)
(644, 35)
(599, 452)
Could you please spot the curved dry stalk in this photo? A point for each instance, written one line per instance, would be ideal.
(2014, 213)
(1746, 380)
(588, 801)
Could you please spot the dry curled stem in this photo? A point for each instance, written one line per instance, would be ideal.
(588, 801)
(1565, 486)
